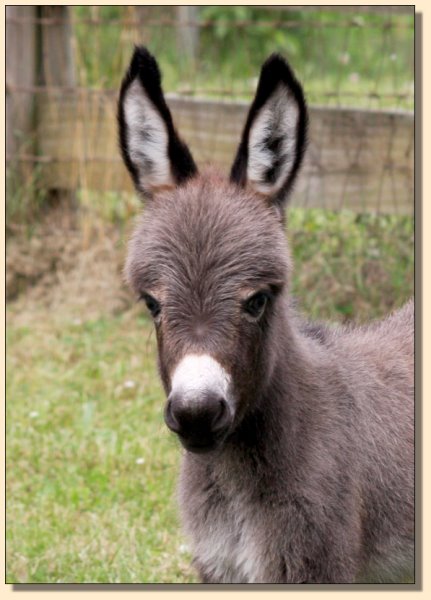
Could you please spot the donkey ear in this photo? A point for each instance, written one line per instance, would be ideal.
(152, 151)
(274, 136)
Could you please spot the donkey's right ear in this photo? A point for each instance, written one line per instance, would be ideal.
(151, 148)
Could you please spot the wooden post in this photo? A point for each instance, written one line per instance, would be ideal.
(57, 70)
(57, 63)
(20, 73)
(188, 31)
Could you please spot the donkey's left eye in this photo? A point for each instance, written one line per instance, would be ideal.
(256, 305)
(152, 304)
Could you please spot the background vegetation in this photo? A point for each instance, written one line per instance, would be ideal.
(342, 58)
(91, 467)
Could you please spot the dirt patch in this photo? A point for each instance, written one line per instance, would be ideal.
(67, 266)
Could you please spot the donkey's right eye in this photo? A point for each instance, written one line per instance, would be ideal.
(152, 304)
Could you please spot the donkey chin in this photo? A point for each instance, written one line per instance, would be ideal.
(200, 407)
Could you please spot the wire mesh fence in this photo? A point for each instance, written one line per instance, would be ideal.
(64, 67)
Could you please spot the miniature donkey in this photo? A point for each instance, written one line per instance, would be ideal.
(298, 437)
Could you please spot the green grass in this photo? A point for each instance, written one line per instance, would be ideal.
(91, 466)
(350, 266)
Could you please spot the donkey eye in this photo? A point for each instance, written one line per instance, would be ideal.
(152, 304)
(255, 305)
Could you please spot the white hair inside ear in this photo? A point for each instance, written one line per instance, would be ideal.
(147, 139)
(272, 142)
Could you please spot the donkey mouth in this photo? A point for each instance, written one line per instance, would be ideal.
(199, 449)
(202, 446)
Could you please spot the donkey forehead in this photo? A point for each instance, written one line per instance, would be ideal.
(208, 229)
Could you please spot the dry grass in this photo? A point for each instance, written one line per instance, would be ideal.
(67, 264)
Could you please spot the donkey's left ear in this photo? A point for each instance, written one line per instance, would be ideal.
(153, 152)
(274, 136)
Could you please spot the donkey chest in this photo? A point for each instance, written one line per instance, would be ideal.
(227, 539)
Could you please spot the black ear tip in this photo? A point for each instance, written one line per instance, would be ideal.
(276, 68)
(142, 56)
(144, 65)
(275, 60)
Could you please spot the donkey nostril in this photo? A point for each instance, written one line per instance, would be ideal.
(221, 415)
(170, 419)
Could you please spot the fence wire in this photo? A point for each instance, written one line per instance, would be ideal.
(357, 69)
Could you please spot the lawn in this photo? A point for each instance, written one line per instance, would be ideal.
(91, 466)
(91, 469)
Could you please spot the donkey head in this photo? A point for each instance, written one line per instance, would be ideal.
(209, 256)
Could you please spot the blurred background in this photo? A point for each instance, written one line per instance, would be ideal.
(88, 454)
